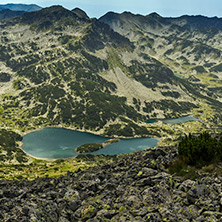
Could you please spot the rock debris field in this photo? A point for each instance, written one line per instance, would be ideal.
(134, 187)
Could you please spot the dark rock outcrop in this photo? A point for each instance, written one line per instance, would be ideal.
(80, 13)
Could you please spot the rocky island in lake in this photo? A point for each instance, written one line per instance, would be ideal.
(110, 141)
(92, 147)
(88, 148)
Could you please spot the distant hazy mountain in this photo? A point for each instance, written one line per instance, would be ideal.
(128, 20)
(7, 13)
(197, 22)
(21, 7)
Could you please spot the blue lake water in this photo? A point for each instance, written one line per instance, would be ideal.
(182, 119)
(179, 76)
(55, 143)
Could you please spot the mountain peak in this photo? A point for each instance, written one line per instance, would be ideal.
(154, 14)
(109, 16)
(80, 13)
(127, 13)
(50, 14)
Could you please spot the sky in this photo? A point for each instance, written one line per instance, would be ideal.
(167, 8)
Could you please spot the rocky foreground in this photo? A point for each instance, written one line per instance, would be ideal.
(134, 188)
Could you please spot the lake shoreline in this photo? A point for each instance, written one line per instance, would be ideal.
(20, 145)
(174, 121)
(58, 142)
(83, 131)
(96, 134)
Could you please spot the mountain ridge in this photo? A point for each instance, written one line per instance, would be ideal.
(191, 21)
(70, 66)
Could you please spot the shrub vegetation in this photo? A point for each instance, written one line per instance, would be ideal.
(87, 148)
(197, 152)
(200, 150)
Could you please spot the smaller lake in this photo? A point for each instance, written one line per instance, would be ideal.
(179, 76)
(182, 119)
(55, 143)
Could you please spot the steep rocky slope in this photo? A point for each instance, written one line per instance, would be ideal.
(67, 69)
(134, 188)
(189, 45)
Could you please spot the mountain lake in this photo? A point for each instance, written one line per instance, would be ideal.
(56, 143)
(179, 120)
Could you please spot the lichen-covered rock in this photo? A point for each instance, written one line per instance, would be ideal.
(135, 187)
